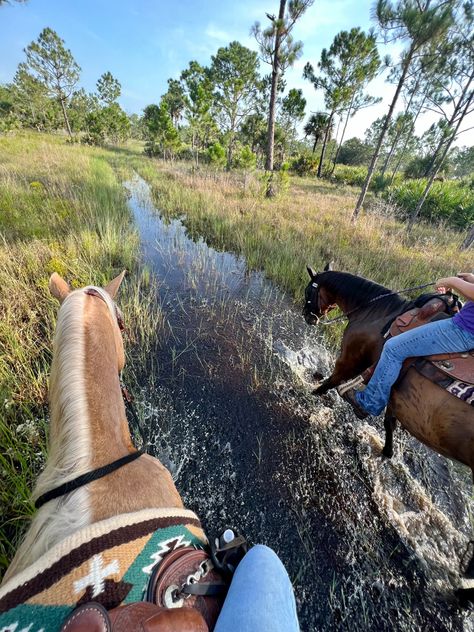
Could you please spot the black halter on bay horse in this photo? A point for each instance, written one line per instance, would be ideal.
(441, 421)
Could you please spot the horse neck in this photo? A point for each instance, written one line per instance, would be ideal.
(88, 425)
(361, 308)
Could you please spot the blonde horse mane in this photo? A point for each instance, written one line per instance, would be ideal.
(69, 453)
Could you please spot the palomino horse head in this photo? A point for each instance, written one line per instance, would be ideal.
(317, 300)
(61, 290)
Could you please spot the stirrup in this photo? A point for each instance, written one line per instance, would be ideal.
(355, 383)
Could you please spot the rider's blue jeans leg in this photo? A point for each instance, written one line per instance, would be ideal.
(442, 336)
(260, 598)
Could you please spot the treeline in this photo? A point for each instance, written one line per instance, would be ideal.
(44, 95)
(233, 114)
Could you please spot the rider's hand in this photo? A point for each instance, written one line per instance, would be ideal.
(466, 276)
(443, 285)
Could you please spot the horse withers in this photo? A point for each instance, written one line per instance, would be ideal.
(108, 514)
(432, 415)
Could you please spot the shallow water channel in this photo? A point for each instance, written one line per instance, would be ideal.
(226, 404)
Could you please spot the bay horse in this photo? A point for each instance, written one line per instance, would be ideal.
(438, 419)
(435, 417)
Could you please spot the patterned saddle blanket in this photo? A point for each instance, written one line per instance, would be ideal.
(109, 562)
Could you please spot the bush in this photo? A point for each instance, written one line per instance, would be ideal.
(350, 175)
(449, 202)
(304, 164)
(216, 154)
(244, 159)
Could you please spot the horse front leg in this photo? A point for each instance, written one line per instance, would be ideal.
(390, 423)
(343, 370)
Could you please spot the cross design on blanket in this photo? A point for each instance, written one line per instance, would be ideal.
(97, 575)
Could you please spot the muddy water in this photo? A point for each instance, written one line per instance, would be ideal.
(225, 402)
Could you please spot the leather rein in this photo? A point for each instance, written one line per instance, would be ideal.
(100, 472)
(315, 290)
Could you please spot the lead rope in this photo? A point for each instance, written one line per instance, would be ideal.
(377, 298)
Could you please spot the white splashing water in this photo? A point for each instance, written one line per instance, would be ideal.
(401, 498)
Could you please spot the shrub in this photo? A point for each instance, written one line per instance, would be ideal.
(350, 175)
(304, 164)
(449, 201)
(217, 156)
(245, 158)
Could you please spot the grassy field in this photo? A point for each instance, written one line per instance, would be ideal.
(62, 208)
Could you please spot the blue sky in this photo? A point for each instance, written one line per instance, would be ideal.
(145, 42)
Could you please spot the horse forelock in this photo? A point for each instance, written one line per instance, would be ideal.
(357, 291)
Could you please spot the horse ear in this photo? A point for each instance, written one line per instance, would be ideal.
(58, 287)
(329, 266)
(311, 272)
(112, 287)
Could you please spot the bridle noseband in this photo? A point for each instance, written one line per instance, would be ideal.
(312, 300)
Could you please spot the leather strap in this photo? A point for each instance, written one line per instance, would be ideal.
(86, 478)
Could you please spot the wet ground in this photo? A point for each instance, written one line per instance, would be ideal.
(225, 400)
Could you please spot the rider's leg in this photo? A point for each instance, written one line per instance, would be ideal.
(260, 597)
(442, 336)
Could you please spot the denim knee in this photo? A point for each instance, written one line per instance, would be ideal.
(394, 348)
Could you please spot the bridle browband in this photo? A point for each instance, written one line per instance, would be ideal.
(100, 472)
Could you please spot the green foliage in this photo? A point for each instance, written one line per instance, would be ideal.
(304, 164)
(354, 152)
(244, 158)
(54, 66)
(449, 201)
(108, 88)
(234, 75)
(109, 123)
(354, 176)
(216, 154)
(162, 137)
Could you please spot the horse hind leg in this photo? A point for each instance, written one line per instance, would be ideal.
(390, 423)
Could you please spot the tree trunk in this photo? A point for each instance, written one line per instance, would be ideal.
(325, 142)
(66, 120)
(343, 134)
(376, 155)
(410, 131)
(275, 79)
(439, 163)
(467, 243)
(400, 131)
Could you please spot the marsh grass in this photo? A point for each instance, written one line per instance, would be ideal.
(62, 209)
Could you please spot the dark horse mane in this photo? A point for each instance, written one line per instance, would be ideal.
(359, 291)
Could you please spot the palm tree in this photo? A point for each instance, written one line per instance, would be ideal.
(316, 127)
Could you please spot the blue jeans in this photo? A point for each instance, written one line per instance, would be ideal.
(442, 336)
(260, 597)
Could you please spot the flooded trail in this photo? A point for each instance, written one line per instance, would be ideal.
(225, 402)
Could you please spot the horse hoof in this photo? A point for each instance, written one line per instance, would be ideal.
(387, 453)
(317, 376)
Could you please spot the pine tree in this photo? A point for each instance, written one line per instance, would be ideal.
(278, 49)
(420, 23)
(54, 65)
